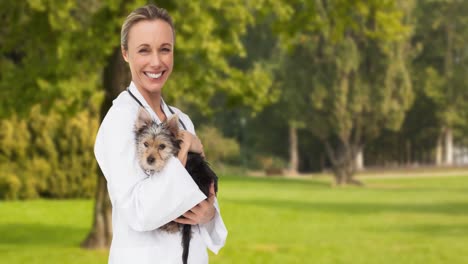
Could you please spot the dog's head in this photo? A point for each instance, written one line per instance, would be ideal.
(155, 144)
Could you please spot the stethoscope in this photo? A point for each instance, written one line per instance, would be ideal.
(162, 101)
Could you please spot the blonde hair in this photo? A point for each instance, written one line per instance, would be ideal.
(148, 12)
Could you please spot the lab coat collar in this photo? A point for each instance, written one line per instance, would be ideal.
(132, 87)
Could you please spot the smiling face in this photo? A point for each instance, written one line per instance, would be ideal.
(150, 55)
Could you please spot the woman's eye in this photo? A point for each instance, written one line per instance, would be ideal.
(162, 146)
(146, 144)
(143, 51)
(166, 49)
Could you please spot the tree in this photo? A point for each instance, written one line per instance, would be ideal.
(348, 63)
(442, 32)
(46, 49)
(413, 144)
(81, 55)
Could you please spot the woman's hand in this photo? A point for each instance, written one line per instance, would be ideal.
(190, 143)
(202, 213)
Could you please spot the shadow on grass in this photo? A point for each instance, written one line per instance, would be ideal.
(327, 183)
(413, 189)
(348, 208)
(452, 230)
(39, 234)
(275, 180)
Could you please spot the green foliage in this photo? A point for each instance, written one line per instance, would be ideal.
(9, 186)
(441, 66)
(352, 70)
(438, 73)
(271, 165)
(47, 46)
(208, 35)
(50, 155)
(82, 34)
(344, 76)
(341, 70)
(414, 143)
(14, 136)
(53, 53)
(218, 149)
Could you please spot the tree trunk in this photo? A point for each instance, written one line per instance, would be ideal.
(343, 159)
(448, 144)
(293, 150)
(100, 235)
(360, 160)
(115, 79)
(438, 160)
(408, 153)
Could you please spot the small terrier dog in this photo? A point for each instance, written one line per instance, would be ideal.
(155, 144)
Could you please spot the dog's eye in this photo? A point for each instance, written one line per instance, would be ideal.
(146, 144)
(162, 146)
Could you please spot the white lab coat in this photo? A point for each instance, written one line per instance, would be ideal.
(141, 204)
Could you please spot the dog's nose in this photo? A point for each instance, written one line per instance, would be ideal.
(150, 160)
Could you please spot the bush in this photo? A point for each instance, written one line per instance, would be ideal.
(272, 165)
(9, 186)
(218, 149)
(50, 155)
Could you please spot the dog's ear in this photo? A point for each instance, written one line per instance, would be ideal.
(173, 124)
(143, 120)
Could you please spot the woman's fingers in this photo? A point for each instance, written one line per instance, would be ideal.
(185, 221)
(212, 196)
(201, 213)
(191, 142)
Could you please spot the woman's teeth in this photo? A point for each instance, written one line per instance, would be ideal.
(153, 75)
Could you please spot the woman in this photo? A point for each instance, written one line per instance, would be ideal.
(140, 203)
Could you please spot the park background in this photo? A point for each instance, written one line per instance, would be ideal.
(338, 128)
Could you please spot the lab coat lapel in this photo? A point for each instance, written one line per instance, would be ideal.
(140, 97)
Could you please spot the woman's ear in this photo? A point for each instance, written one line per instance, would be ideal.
(124, 53)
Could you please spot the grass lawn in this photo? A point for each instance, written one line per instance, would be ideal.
(275, 220)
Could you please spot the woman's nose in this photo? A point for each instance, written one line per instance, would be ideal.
(155, 60)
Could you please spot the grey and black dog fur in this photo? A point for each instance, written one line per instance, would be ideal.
(155, 144)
